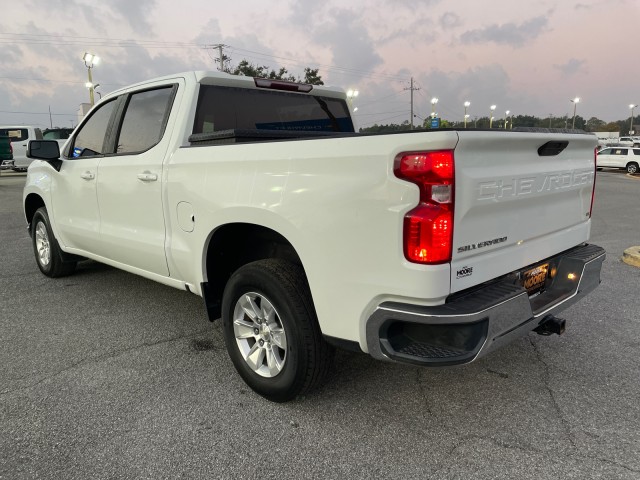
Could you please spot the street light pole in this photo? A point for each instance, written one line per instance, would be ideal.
(434, 100)
(492, 109)
(351, 94)
(466, 104)
(631, 106)
(575, 104)
(506, 119)
(90, 60)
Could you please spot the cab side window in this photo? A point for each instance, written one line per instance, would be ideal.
(89, 141)
(145, 119)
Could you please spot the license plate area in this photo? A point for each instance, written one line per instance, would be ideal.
(534, 279)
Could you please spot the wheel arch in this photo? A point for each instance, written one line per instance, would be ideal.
(232, 245)
(32, 203)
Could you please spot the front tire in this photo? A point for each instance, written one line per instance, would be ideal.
(49, 256)
(271, 330)
(632, 167)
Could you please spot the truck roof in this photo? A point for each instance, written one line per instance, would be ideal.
(208, 77)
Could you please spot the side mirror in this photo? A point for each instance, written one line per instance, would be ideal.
(43, 150)
(47, 150)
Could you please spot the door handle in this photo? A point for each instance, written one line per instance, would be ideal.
(87, 175)
(147, 176)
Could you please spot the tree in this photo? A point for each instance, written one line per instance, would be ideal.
(594, 124)
(311, 76)
(248, 69)
(391, 127)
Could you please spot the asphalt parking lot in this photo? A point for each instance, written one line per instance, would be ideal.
(108, 375)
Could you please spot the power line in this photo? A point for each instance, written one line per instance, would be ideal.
(56, 81)
(36, 113)
(84, 41)
(379, 120)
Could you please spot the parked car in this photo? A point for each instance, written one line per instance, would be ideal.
(60, 135)
(629, 142)
(19, 137)
(619, 157)
(57, 133)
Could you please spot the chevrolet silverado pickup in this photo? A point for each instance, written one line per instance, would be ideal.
(430, 248)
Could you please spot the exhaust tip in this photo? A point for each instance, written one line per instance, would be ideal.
(550, 325)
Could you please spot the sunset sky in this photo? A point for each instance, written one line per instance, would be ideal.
(529, 57)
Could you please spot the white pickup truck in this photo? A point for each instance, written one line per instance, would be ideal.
(426, 247)
(20, 137)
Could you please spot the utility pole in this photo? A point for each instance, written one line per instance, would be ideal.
(220, 59)
(412, 88)
(50, 119)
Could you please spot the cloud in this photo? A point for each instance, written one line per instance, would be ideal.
(412, 4)
(135, 13)
(507, 34)
(93, 15)
(349, 42)
(450, 20)
(572, 66)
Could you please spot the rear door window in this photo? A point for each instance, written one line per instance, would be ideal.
(145, 119)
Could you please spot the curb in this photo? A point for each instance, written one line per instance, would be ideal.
(631, 256)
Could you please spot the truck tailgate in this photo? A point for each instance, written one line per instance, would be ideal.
(520, 197)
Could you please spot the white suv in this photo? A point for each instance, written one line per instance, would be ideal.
(619, 157)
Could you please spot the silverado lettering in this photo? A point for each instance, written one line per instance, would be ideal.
(487, 243)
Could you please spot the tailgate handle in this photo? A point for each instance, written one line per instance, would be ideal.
(552, 148)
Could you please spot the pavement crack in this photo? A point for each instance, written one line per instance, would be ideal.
(423, 391)
(547, 384)
(105, 356)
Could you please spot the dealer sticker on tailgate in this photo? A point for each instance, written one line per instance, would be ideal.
(533, 279)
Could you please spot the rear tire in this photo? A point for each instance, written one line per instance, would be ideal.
(271, 330)
(49, 256)
(632, 167)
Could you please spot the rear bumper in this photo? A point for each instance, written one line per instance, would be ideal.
(6, 164)
(476, 322)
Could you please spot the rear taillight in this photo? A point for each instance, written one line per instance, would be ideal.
(428, 228)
